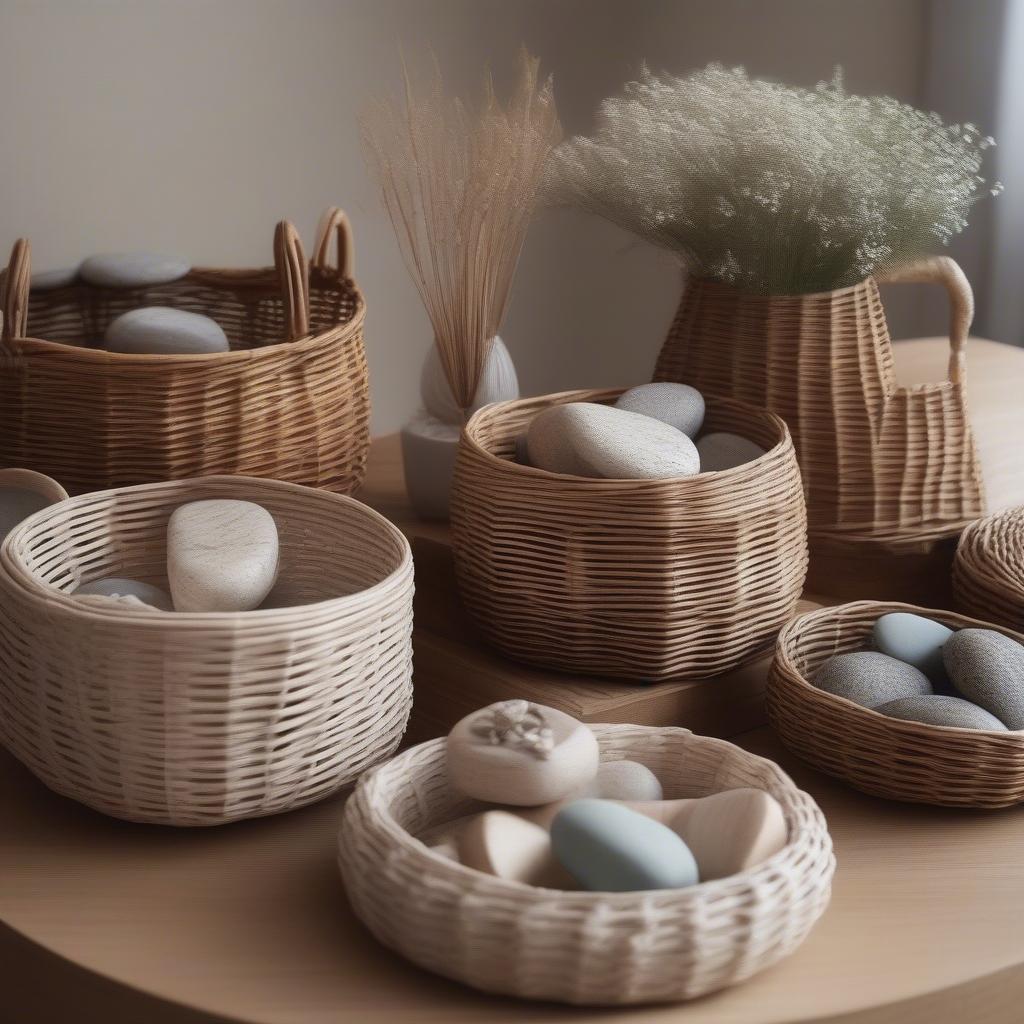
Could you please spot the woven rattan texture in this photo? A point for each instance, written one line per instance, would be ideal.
(878, 461)
(640, 579)
(582, 947)
(290, 401)
(988, 571)
(874, 753)
(198, 719)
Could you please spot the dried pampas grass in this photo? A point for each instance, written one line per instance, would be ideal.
(460, 184)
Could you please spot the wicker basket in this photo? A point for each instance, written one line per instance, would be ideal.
(290, 401)
(582, 947)
(988, 572)
(198, 719)
(641, 579)
(884, 756)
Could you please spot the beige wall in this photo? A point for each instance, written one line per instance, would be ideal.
(193, 126)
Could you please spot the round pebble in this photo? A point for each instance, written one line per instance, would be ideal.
(623, 780)
(159, 330)
(941, 709)
(988, 669)
(498, 383)
(870, 679)
(916, 640)
(116, 586)
(721, 451)
(47, 280)
(678, 405)
(132, 269)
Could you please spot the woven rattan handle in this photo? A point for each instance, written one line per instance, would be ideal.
(943, 270)
(15, 292)
(293, 273)
(334, 223)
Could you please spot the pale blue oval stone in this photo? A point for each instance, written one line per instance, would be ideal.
(916, 640)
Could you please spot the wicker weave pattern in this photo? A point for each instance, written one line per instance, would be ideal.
(582, 947)
(94, 419)
(645, 580)
(197, 719)
(878, 461)
(988, 572)
(874, 753)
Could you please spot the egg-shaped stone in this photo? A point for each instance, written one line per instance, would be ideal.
(720, 451)
(509, 847)
(549, 446)
(117, 586)
(47, 280)
(870, 678)
(941, 709)
(607, 847)
(498, 383)
(522, 450)
(623, 780)
(222, 555)
(916, 640)
(132, 269)
(987, 668)
(519, 753)
(160, 330)
(678, 405)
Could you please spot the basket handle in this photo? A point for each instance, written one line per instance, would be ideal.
(946, 271)
(293, 274)
(334, 222)
(15, 292)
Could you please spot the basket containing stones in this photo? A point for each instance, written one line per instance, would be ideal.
(137, 367)
(904, 703)
(644, 534)
(535, 856)
(195, 652)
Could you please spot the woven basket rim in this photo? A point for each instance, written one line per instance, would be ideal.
(768, 296)
(18, 575)
(490, 886)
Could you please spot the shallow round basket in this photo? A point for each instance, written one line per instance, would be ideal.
(988, 571)
(646, 580)
(290, 401)
(202, 718)
(884, 756)
(582, 947)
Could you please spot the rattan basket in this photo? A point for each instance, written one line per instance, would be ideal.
(641, 579)
(289, 401)
(988, 571)
(582, 947)
(884, 756)
(198, 719)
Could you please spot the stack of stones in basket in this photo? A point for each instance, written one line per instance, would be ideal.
(222, 556)
(151, 330)
(920, 670)
(565, 820)
(652, 432)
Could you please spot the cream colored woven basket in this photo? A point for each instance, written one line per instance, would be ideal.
(642, 579)
(198, 719)
(582, 947)
(880, 755)
(988, 572)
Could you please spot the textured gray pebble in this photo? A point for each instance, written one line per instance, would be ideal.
(988, 669)
(941, 709)
(678, 405)
(870, 678)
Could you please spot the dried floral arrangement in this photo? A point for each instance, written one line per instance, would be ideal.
(770, 188)
(460, 183)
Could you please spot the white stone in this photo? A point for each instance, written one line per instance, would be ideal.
(721, 450)
(160, 330)
(23, 492)
(601, 441)
(507, 846)
(678, 405)
(623, 780)
(45, 280)
(132, 269)
(498, 383)
(119, 587)
(429, 447)
(222, 555)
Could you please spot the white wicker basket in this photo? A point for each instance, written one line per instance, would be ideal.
(581, 947)
(198, 719)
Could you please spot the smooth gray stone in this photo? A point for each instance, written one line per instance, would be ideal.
(721, 451)
(988, 669)
(132, 269)
(45, 280)
(941, 709)
(678, 405)
(160, 330)
(16, 504)
(870, 679)
(917, 641)
(118, 586)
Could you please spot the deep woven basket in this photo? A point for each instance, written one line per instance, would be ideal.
(988, 571)
(198, 719)
(641, 579)
(884, 756)
(290, 401)
(582, 947)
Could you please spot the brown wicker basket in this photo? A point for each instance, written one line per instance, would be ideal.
(988, 572)
(884, 756)
(289, 401)
(641, 579)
